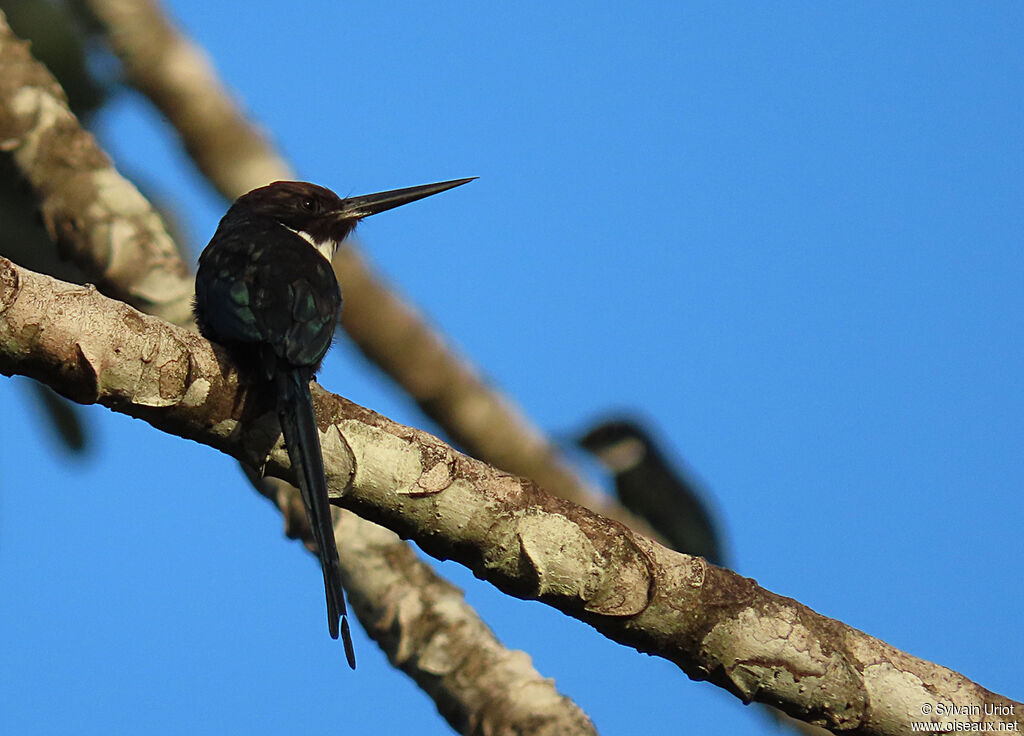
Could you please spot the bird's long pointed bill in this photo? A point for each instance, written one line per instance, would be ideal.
(371, 204)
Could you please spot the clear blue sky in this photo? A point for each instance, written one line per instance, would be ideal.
(790, 234)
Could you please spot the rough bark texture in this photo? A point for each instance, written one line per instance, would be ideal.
(97, 217)
(712, 623)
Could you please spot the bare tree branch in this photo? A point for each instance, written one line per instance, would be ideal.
(712, 623)
(236, 157)
(96, 216)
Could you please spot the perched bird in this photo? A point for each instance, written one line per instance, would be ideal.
(652, 489)
(266, 291)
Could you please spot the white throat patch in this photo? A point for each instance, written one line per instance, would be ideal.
(623, 455)
(326, 248)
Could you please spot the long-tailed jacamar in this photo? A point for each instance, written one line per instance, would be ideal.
(266, 291)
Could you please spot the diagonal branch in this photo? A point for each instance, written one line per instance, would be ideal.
(176, 75)
(712, 623)
(97, 217)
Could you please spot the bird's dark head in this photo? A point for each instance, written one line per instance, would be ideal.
(618, 443)
(299, 206)
(319, 215)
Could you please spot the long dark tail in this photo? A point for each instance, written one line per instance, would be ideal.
(298, 422)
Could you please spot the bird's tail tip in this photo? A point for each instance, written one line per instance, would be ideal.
(346, 638)
(337, 614)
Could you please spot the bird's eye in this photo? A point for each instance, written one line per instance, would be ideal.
(309, 204)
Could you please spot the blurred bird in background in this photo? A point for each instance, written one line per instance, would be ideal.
(668, 498)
